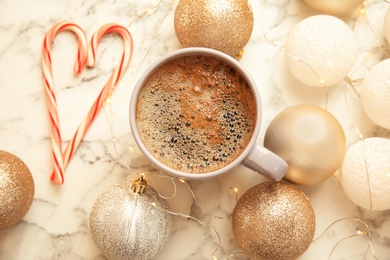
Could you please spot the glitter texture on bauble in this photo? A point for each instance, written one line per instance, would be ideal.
(16, 189)
(126, 224)
(273, 220)
(224, 25)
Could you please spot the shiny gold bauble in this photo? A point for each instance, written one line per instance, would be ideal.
(127, 225)
(224, 25)
(310, 140)
(273, 220)
(335, 7)
(16, 189)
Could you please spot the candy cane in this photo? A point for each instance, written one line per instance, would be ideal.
(56, 141)
(107, 89)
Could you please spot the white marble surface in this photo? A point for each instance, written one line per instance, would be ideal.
(56, 226)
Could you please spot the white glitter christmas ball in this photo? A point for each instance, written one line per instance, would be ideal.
(364, 175)
(335, 7)
(321, 48)
(387, 25)
(375, 94)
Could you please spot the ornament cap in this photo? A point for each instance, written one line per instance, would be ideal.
(139, 184)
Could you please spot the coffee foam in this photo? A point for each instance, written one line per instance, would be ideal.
(196, 114)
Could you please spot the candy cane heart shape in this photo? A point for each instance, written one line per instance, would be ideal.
(56, 140)
(106, 90)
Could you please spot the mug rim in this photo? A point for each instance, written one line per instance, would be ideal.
(190, 51)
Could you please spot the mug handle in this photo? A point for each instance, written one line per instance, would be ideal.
(265, 162)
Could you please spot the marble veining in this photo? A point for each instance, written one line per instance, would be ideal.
(56, 227)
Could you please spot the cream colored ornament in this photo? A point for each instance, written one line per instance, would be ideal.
(387, 25)
(321, 50)
(336, 7)
(364, 175)
(375, 94)
(310, 140)
(224, 25)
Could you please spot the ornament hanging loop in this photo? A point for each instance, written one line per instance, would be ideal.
(139, 184)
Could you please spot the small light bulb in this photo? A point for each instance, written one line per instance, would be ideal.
(359, 232)
(363, 10)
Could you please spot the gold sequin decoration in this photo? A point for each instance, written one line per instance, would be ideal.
(273, 220)
(224, 25)
(16, 189)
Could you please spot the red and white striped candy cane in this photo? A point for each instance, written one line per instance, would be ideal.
(107, 89)
(58, 173)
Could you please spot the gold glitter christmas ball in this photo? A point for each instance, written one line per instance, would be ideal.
(224, 25)
(310, 140)
(273, 220)
(128, 225)
(16, 189)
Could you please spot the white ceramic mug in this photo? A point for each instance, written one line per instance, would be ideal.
(254, 156)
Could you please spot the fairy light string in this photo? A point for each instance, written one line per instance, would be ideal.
(219, 243)
(283, 51)
(379, 49)
(139, 185)
(364, 231)
(363, 8)
(235, 191)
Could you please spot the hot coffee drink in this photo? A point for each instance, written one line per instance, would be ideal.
(196, 114)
